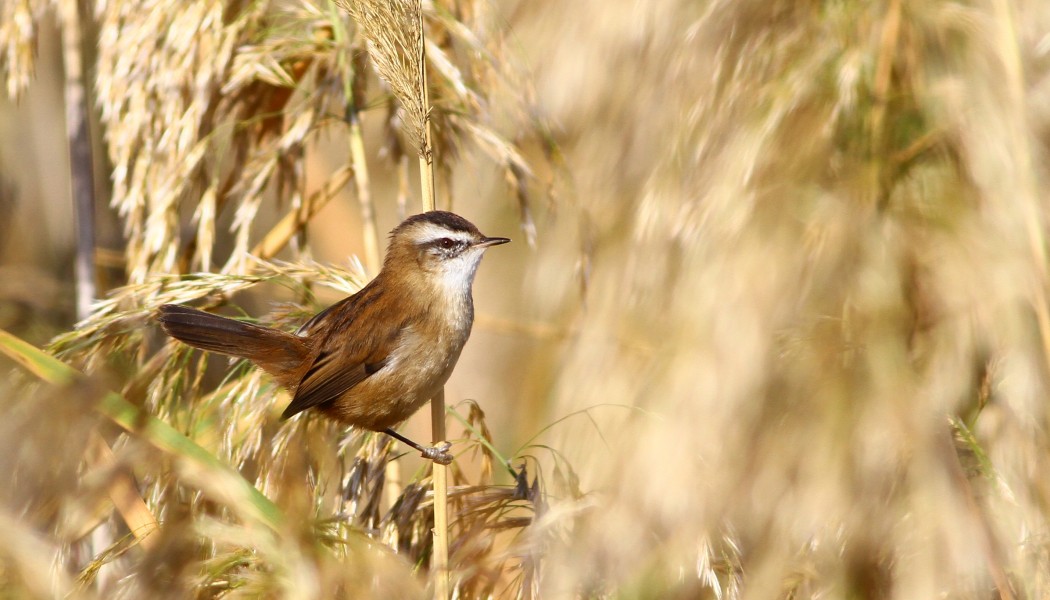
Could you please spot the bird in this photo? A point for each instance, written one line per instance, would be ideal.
(374, 358)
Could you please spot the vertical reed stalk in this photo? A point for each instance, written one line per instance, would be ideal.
(364, 195)
(354, 93)
(80, 163)
(396, 44)
(439, 562)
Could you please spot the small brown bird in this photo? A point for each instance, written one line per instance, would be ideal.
(373, 359)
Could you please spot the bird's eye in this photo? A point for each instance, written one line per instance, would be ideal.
(447, 243)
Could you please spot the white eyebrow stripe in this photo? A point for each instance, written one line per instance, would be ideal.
(428, 232)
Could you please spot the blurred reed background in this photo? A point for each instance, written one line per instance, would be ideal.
(775, 323)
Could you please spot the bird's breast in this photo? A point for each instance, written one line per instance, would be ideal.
(427, 353)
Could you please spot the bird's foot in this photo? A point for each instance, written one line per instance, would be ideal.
(439, 454)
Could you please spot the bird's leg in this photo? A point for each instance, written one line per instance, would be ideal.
(438, 454)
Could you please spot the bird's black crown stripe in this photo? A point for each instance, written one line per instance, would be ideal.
(450, 221)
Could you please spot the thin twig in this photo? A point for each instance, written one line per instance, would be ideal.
(281, 233)
(124, 494)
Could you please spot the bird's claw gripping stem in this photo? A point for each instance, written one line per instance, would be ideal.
(439, 454)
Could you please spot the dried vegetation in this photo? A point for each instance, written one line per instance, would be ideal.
(794, 332)
(210, 110)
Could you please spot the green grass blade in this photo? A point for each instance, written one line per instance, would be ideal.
(35, 361)
(216, 478)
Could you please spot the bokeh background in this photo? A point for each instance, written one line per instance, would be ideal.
(774, 323)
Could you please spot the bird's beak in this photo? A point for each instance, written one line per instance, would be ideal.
(493, 241)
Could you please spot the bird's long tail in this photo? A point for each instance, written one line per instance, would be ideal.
(279, 353)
